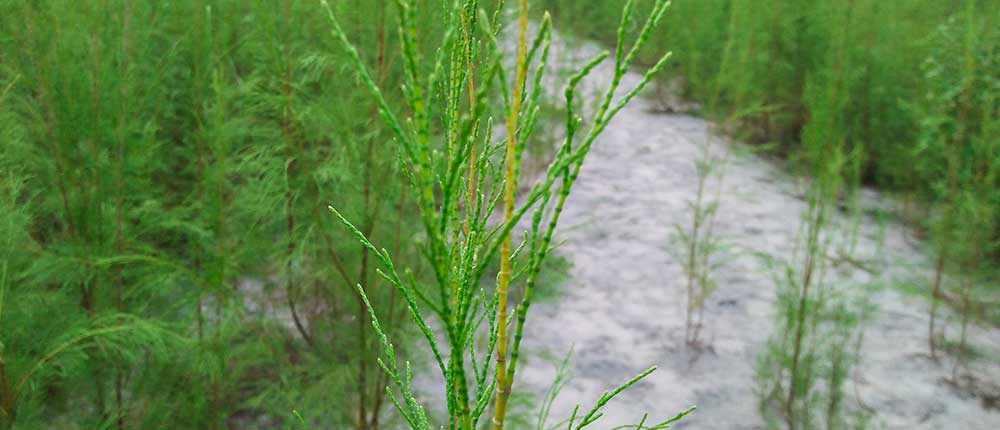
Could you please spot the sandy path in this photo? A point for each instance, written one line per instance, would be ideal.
(622, 309)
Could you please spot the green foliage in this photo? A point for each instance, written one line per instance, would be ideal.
(460, 178)
(165, 169)
(834, 333)
(697, 243)
(802, 372)
(961, 138)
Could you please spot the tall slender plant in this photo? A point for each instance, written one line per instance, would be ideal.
(699, 243)
(959, 140)
(436, 142)
(803, 368)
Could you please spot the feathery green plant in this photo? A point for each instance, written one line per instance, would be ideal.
(802, 371)
(961, 140)
(174, 166)
(698, 242)
(435, 144)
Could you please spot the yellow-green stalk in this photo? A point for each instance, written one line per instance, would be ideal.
(510, 184)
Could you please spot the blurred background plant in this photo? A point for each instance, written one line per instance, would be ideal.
(167, 166)
(698, 247)
(802, 371)
(960, 141)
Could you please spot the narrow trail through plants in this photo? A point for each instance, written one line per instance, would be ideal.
(622, 308)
